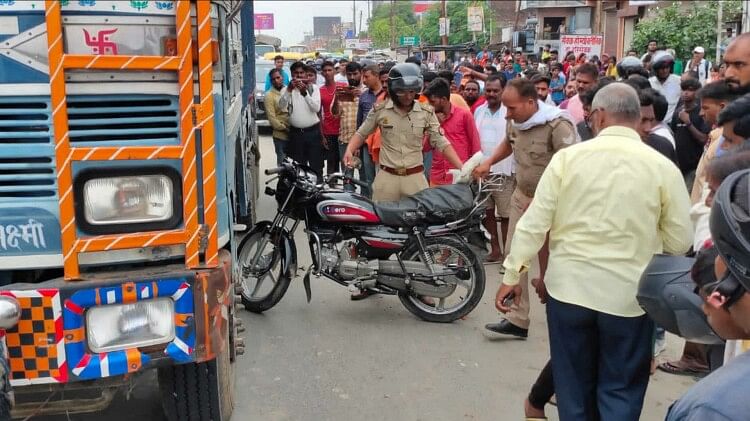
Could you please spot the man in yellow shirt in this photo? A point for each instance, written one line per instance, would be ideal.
(609, 205)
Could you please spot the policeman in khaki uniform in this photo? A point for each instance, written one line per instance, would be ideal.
(403, 123)
(534, 133)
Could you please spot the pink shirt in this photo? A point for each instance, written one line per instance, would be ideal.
(460, 130)
(575, 108)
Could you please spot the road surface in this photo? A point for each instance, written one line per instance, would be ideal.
(335, 359)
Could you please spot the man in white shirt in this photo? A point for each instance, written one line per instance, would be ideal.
(665, 82)
(341, 71)
(302, 101)
(699, 65)
(491, 124)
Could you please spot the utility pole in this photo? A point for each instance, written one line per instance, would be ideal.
(354, 17)
(443, 13)
(393, 30)
(719, 18)
(356, 34)
(598, 17)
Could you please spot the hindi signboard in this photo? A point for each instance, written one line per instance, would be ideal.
(589, 44)
(445, 26)
(263, 21)
(358, 44)
(475, 16)
(407, 41)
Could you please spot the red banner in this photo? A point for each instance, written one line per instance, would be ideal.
(263, 21)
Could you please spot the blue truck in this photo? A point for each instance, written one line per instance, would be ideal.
(128, 170)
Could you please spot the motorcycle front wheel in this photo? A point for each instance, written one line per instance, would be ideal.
(262, 278)
(467, 293)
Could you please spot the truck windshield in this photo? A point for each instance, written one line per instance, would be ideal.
(260, 49)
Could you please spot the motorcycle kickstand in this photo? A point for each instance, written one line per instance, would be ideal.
(306, 283)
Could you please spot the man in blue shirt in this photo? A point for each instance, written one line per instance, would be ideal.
(374, 92)
(278, 61)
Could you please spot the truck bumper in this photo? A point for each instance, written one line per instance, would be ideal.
(49, 344)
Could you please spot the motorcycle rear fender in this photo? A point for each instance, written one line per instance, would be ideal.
(287, 247)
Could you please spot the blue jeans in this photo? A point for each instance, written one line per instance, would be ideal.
(600, 362)
(367, 172)
(280, 147)
(427, 158)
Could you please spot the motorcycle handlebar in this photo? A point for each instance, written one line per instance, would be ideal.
(357, 182)
(272, 171)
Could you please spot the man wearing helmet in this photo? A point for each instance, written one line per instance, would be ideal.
(403, 124)
(723, 394)
(665, 82)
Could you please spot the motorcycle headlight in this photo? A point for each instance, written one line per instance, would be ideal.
(123, 202)
(144, 323)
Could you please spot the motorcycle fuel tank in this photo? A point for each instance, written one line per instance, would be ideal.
(346, 207)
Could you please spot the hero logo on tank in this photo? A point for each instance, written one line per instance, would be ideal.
(101, 44)
(589, 44)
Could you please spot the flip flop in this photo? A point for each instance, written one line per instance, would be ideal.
(679, 369)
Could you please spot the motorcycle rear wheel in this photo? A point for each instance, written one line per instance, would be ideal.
(254, 275)
(447, 250)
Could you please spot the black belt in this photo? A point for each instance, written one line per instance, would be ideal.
(303, 129)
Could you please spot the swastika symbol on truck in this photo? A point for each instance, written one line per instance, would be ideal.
(101, 43)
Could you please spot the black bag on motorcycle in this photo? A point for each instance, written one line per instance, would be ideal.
(436, 205)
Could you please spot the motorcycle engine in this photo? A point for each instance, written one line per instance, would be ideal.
(329, 259)
(340, 262)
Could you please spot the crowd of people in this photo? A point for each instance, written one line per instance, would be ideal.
(602, 164)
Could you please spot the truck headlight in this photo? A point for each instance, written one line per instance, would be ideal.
(128, 200)
(144, 323)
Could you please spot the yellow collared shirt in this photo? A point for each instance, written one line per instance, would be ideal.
(609, 205)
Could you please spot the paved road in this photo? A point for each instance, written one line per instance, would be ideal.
(335, 359)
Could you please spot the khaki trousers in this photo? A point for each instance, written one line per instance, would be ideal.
(519, 316)
(389, 187)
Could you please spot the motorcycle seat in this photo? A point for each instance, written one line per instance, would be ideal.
(437, 205)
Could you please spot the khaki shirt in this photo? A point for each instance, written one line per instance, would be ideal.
(402, 134)
(534, 148)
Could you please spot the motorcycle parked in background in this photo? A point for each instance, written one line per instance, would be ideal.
(414, 248)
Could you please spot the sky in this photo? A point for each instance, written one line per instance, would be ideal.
(293, 18)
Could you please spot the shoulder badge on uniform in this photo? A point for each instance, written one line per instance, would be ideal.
(571, 138)
(379, 106)
(426, 106)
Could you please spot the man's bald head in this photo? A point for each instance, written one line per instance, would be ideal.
(737, 60)
(616, 104)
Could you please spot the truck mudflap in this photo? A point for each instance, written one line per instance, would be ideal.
(49, 344)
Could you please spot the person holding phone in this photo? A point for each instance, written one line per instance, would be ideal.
(302, 102)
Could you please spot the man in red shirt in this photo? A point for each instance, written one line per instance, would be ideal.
(330, 126)
(458, 126)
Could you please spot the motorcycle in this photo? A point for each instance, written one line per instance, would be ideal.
(414, 248)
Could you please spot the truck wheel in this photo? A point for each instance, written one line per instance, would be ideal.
(199, 391)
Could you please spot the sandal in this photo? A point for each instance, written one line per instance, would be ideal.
(681, 369)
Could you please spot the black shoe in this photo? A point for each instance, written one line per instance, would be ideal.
(505, 327)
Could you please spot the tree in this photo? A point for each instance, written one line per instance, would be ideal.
(457, 13)
(380, 30)
(379, 26)
(673, 27)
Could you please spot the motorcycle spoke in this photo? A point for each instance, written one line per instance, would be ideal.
(273, 278)
(257, 286)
